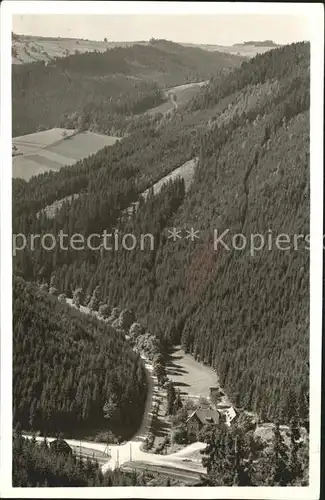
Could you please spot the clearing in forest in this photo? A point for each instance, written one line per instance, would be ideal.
(182, 93)
(191, 377)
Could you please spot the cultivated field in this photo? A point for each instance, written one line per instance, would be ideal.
(28, 49)
(52, 149)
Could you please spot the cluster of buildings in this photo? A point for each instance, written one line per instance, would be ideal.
(219, 411)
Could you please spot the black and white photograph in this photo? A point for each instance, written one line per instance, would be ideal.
(161, 249)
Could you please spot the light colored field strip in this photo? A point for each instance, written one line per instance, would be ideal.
(82, 145)
(47, 154)
(187, 86)
(25, 169)
(44, 138)
(186, 171)
(50, 150)
(45, 162)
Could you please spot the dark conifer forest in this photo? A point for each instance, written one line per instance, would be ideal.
(243, 312)
(67, 367)
(37, 465)
(99, 88)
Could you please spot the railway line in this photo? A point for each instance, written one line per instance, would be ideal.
(183, 475)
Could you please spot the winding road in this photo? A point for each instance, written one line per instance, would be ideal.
(114, 456)
(131, 452)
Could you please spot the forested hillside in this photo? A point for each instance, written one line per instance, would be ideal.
(83, 89)
(36, 465)
(68, 367)
(246, 315)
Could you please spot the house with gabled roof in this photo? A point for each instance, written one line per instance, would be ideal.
(198, 419)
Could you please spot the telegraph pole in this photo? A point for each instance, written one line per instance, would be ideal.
(107, 449)
(117, 458)
(130, 452)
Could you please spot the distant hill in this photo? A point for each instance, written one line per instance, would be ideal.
(266, 43)
(26, 49)
(119, 81)
(246, 49)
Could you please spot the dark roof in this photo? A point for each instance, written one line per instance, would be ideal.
(217, 390)
(206, 416)
(60, 446)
